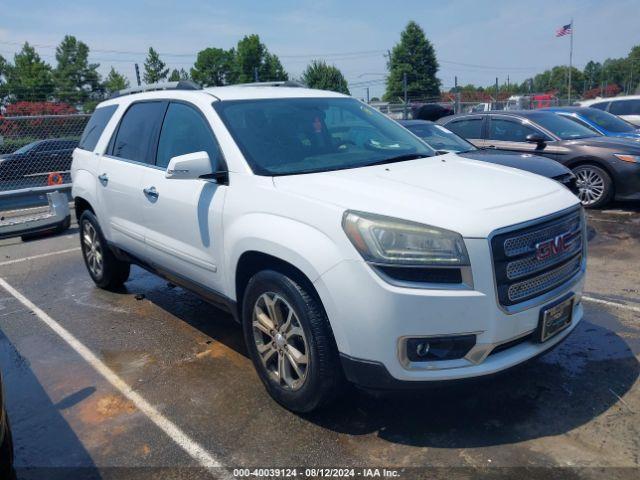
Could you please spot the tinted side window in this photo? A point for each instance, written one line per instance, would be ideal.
(138, 131)
(600, 106)
(185, 131)
(467, 128)
(95, 127)
(625, 107)
(509, 131)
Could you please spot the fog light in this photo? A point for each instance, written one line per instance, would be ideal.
(439, 348)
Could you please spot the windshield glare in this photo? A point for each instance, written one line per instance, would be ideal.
(607, 121)
(27, 147)
(439, 138)
(562, 127)
(288, 136)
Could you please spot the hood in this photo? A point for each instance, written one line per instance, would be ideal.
(468, 196)
(633, 135)
(625, 145)
(524, 161)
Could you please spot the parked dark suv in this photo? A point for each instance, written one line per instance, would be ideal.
(31, 165)
(605, 167)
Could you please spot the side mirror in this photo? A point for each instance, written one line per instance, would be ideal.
(190, 166)
(536, 138)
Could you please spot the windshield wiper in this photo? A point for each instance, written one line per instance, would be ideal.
(399, 158)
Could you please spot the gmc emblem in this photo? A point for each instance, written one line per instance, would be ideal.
(556, 245)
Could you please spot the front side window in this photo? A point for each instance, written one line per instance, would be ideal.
(95, 127)
(625, 107)
(184, 130)
(288, 136)
(467, 128)
(439, 138)
(138, 131)
(509, 130)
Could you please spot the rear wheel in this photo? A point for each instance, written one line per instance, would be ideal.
(595, 187)
(105, 269)
(290, 342)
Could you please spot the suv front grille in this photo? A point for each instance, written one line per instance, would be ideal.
(533, 260)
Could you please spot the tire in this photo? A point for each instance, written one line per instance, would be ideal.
(595, 187)
(322, 375)
(6, 454)
(104, 268)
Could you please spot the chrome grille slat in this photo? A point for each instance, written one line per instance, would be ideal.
(522, 273)
(530, 264)
(525, 243)
(533, 286)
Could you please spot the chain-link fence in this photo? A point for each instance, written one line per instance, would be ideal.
(430, 109)
(35, 151)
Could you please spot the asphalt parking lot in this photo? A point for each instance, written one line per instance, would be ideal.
(108, 383)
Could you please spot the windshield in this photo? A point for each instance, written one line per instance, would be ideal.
(562, 127)
(439, 138)
(27, 147)
(606, 120)
(288, 136)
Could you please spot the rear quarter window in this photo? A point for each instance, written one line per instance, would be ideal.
(625, 107)
(95, 127)
(467, 128)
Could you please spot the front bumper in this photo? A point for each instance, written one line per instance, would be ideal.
(370, 318)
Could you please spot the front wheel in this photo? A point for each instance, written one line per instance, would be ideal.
(595, 187)
(290, 342)
(105, 269)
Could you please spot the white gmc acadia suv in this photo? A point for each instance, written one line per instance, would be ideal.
(346, 248)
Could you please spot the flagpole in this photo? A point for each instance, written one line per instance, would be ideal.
(570, 61)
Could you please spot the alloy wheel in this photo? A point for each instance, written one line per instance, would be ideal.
(590, 185)
(92, 249)
(280, 340)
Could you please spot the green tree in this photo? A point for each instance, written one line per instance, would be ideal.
(75, 79)
(592, 74)
(29, 78)
(115, 81)
(213, 67)
(155, 70)
(272, 70)
(250, 57)
(414, 56)
(324, 77)
(177, 75)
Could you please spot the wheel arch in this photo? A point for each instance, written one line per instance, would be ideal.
(81, 205)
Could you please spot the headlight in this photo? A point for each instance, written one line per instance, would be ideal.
(627, 158)
(391, 241)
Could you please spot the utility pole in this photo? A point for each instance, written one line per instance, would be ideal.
(456, 105)
(367, 95)
(138, 74)
(255, 74)
(404, 87)
(497, 91)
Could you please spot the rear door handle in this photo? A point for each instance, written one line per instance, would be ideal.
(104, 179)
(150, 192)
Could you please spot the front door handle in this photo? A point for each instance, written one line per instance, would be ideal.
(104, 179)
(151, 192)
(491, 146)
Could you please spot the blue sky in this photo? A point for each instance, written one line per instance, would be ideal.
(474, 39)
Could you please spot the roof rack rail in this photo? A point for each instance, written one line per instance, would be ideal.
(281, 83)
(180, 85)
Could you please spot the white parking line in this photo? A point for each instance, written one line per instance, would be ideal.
(190, 446)
(35, 257)
(611, 304)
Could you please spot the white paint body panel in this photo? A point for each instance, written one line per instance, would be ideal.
(200, 230)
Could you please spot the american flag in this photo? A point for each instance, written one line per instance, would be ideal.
(564, 30)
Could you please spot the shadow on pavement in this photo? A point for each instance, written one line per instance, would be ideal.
(45, 445)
